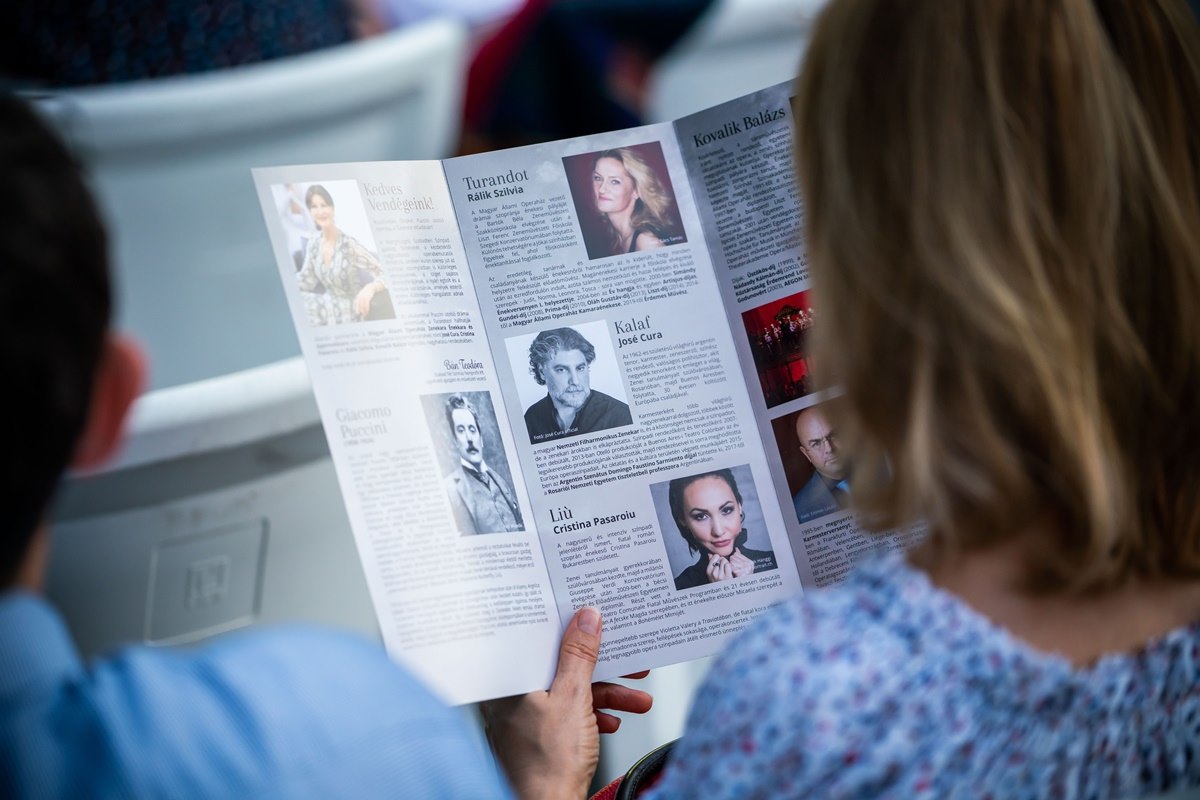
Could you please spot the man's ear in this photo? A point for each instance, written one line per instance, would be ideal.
(120, 377)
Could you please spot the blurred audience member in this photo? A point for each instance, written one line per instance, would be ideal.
(475, 13)
(58, 43)
(569, 68)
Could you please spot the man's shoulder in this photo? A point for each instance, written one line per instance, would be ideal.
(540, 421)
(607, 400)
(305, 674)
(813, 485)
(376, 723)
(285, 712)
(814, 499)
(543, 406)
(608, 409)
(498, 478)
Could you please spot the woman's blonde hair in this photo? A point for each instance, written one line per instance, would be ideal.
(653, 208)
(1004, 221)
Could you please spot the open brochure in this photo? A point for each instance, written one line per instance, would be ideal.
(524, 359)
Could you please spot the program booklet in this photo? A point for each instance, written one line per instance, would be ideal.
(571, 374)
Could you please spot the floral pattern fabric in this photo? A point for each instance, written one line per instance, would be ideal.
(329, 289)
(889, 687)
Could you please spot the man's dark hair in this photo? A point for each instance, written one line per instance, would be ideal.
(455, 402)
(55, 304)
(547, 343)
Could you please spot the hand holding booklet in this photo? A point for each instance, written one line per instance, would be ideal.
(570, 374)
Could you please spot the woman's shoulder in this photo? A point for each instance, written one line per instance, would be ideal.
(827, 625)
(646, 237)
(694, 575)
(756, 555)
(816, 650)
(838, 657)
(791, 694)
(889, 682)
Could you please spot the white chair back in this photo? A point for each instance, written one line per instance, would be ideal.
(170, 161)
(223, 511)
(737, 47)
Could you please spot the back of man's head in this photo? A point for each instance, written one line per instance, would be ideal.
(55, 304)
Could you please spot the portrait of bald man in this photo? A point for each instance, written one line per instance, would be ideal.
(828, 490)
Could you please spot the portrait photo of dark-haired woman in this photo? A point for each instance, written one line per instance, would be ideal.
(340, 279)
(709, 512)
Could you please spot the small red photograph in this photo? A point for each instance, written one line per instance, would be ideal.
(778, 333)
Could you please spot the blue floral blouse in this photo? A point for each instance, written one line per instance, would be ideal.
(889, 687)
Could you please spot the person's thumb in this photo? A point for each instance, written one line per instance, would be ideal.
(578, 652)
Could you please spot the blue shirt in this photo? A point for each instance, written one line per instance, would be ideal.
(290, 712)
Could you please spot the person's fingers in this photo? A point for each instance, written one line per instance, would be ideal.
(578, 652)
(607, 723)
(500, 705)
(714, 567)
(637, 676)
(720, 569)
(616, 697)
